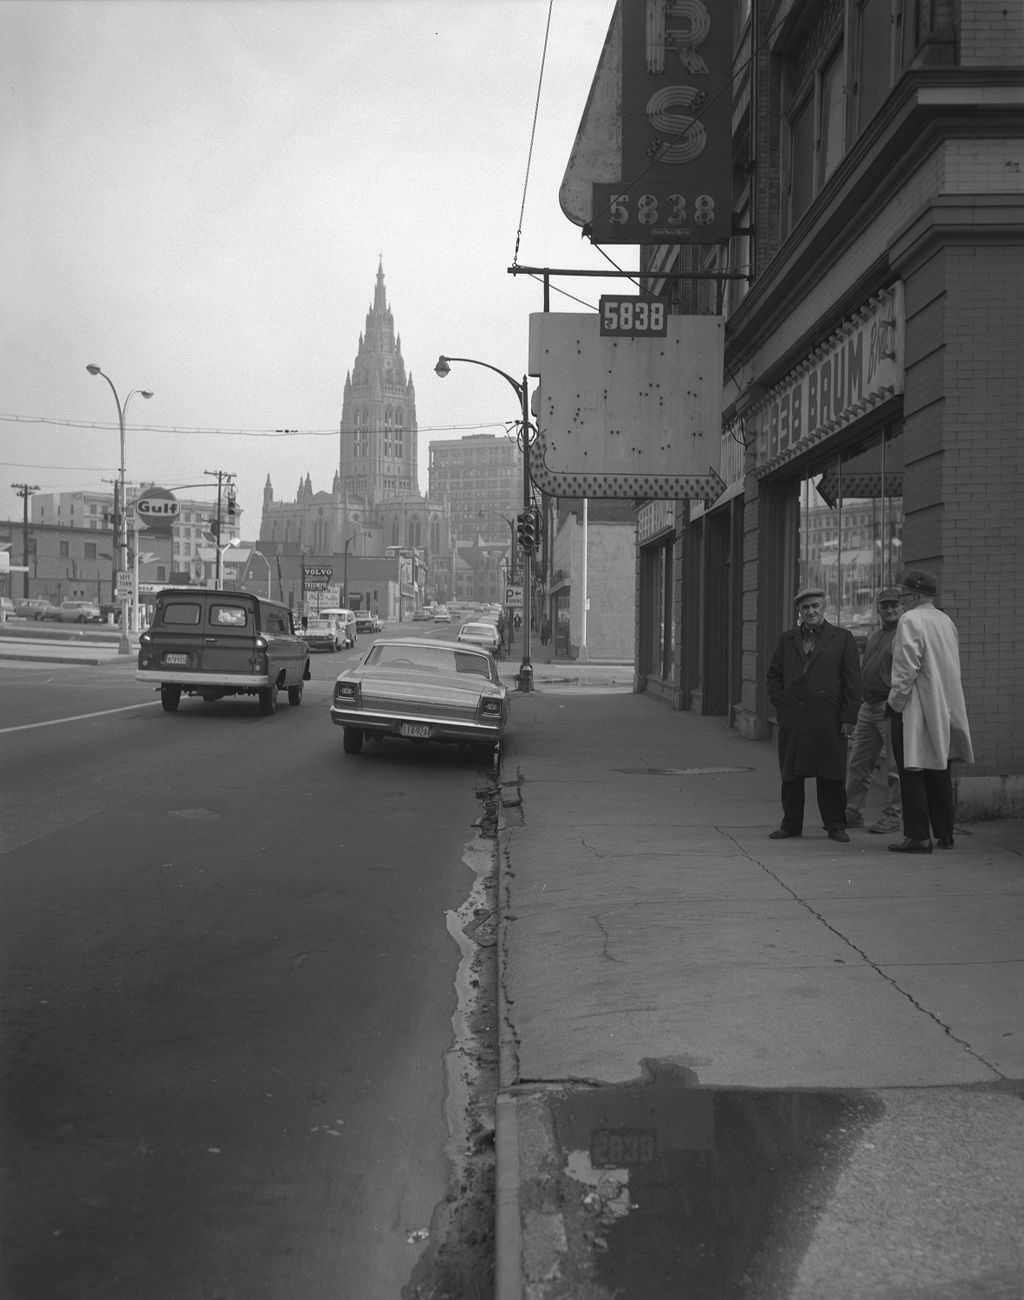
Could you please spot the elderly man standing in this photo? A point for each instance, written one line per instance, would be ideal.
(871, 735)
(814, 685)
(929, 714)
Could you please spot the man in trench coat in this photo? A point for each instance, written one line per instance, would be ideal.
(814, 684)
(929, 714)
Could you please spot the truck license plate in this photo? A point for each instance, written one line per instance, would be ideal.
(416, 730)
(176, 660)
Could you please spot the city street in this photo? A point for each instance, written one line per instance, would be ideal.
(231, 984)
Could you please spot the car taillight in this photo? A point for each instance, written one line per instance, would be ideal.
(347, 693)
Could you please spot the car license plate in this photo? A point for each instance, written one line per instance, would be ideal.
(176, 660)
(416, 730)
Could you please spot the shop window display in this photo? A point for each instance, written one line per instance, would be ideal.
(851, 529)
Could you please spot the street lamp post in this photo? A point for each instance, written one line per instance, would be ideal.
(443, 369)
(123, 647)
(220, 561)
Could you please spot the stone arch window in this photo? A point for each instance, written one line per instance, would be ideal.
(395, 537)
(415, 531)
(435, 536)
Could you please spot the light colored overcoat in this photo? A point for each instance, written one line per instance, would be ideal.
(928, 691)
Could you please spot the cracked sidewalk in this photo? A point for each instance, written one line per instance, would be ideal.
(645, 915)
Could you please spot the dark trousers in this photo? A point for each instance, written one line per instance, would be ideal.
(927, 794)
(831, 803)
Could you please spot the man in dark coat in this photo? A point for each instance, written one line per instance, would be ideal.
(814, 685)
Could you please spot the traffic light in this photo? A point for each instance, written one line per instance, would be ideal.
(231, 503)
(528, 529)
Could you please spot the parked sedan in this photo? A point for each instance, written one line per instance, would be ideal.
(367, 622)
(422, 690)
(79, 611)
(482, 634)
(34, 607)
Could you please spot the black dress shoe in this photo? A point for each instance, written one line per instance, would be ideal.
(911, 846)
(783, 834)
(945, 844)
(838, 834)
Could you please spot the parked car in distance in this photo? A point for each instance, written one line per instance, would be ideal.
(367, 622)
(344, 623)
(32, 607)
(421, 616)
(482, 634)
(414, 688)
(320, 634)
(216, 643)
(79, 611)
(441, 615)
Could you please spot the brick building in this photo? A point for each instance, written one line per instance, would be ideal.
(873, 388)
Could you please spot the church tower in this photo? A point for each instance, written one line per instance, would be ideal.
(378, 453)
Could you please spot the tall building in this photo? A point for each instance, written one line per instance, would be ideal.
(481, 477)
(378, 414)
(374, 502)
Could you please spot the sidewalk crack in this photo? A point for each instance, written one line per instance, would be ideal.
(879, 970)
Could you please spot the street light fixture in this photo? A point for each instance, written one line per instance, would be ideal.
(123, 648)
(235, 541)
(522, 391)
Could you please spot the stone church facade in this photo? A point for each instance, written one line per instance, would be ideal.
(374, 502)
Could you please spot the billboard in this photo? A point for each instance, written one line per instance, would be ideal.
(627, 416)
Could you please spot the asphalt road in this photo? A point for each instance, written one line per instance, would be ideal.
(230, 990)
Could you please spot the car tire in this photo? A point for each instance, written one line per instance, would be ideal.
(170, 698)
(295, 694)
(268, 699)
(351, 739)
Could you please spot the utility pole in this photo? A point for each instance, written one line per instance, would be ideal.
(25, 490)
(224, 479)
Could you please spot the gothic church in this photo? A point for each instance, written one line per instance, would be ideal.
(374, 502)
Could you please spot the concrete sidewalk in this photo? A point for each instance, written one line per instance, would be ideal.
(650, 930)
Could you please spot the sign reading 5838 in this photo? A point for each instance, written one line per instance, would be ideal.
(625, 317)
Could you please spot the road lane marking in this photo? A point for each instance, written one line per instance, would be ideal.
(79, 717)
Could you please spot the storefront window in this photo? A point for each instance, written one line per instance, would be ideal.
(851, 528)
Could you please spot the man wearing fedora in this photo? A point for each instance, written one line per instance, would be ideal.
(929, 714)
(814, 685)
(872, 733)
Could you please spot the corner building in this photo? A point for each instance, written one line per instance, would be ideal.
(873, 383)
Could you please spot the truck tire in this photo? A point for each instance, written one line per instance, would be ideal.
(170, 698)
(268, 699)
(295, 693)
(351, 739)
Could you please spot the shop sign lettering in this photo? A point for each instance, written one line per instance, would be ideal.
(858, 367)
(676, 121)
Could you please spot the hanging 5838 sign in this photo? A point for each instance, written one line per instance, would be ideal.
(633, 317)
(676, 113)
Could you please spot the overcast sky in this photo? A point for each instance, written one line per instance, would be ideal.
(197, 193)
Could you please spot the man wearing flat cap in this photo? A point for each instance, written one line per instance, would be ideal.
(929, 714)
(814, 685)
